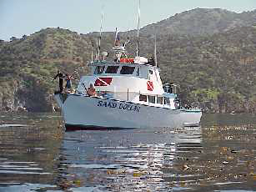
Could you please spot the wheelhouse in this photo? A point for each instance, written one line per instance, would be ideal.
(125, 69)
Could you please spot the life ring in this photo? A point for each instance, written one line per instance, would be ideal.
(127, 60)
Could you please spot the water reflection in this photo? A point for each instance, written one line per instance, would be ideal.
(36, 155)
(29, 149)
(127, 160)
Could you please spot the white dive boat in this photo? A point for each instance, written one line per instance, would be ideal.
(130, 94)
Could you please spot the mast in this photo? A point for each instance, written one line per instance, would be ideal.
(99, 40)
(138, 31)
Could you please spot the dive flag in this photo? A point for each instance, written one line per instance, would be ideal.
(150, 85)
(103, 81)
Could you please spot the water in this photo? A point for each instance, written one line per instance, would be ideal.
(37, 155)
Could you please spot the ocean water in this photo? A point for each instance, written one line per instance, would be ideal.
(36, 154)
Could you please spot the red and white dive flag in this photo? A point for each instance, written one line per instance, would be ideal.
(150, 85)
(103, 81)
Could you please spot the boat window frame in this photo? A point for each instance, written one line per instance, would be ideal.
(114, 66)
(151, 96)
(157, 100)
(96, 70)
(127, 67)
(167, 101)
(150, 74)
(138, 71)
(145, 96)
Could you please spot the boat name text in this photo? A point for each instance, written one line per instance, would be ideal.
(123, 106)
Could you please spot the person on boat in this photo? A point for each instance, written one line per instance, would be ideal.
(151, 61)
(91, 90)
(68, 85)
(61, 77)
(177, 103)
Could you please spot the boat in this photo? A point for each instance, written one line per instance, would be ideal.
(129, 94)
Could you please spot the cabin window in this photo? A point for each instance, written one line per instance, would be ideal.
(166, 101)
(150, 74)
(127, 70)
(99, 70)
(151, 99)
(112, 69)
(160, 100)
(138, 72)
(143, 98)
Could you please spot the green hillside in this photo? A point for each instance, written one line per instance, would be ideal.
(29, 64)
(215, 71)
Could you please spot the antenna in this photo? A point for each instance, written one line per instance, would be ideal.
(115, 41)
(138, 31)
(99, 41)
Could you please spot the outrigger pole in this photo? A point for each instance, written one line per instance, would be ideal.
(155, 55)
(92, 56)
(138, 31)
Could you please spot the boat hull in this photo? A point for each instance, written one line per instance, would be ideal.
(83, 112)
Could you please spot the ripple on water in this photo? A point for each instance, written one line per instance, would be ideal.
(12, 125)
(220, 158)
(21, 168)
(20, 187)
(137, 167)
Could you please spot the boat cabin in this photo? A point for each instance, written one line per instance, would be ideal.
(134, 82)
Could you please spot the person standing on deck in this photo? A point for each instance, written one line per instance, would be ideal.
(61, 77)
(68, 85)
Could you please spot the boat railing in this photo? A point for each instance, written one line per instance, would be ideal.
(126, 96)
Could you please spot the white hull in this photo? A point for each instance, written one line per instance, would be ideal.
(91, 112)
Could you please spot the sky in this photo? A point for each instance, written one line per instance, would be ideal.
(24, 17)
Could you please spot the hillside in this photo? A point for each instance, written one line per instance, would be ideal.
(29, 64)
(201, 21)
(214, 70)
(217, 72)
